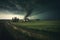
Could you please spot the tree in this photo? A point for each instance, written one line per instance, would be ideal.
(15, 19)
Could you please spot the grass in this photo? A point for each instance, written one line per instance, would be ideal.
(38, 30)
(40, 25)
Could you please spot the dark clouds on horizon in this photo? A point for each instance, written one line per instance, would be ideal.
(49, 8)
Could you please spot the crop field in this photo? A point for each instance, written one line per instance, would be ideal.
(35, 30)
(39, 25)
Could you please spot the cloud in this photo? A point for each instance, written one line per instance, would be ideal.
(25, 7)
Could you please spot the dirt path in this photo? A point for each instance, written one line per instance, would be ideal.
(4, 33)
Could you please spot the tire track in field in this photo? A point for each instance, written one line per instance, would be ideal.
(29, 33)
(13, 32)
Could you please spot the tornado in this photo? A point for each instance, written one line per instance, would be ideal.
(28, 12)
(29, 9)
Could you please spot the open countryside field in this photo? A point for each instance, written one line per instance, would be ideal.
(31, 30)
(53, 25)
(38, 30)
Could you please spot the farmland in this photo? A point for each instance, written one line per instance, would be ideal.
(39, 25)
(42, 30)
(31, 30)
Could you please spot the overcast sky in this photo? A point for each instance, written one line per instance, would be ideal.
(42, 9)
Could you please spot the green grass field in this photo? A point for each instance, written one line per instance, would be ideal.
(35, 30)
(39, 25)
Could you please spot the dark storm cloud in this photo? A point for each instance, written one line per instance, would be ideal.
(30, 6)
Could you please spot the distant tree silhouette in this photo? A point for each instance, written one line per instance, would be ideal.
(15, 19)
